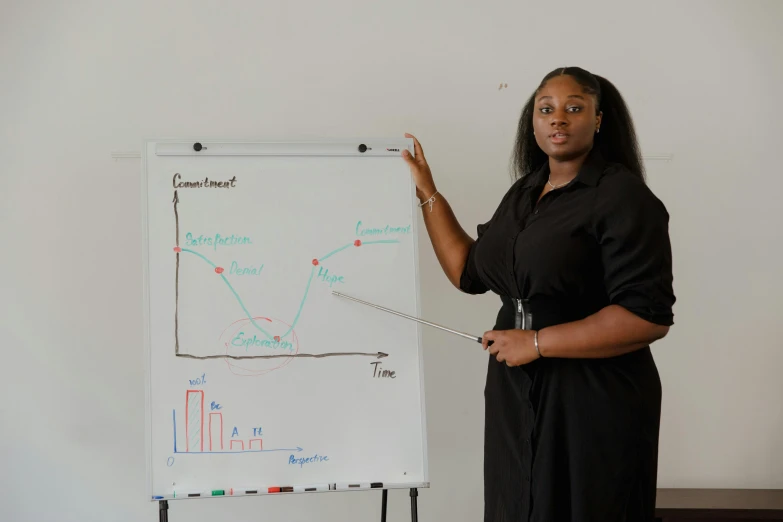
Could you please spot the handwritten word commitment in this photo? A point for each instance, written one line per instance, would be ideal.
(247, 342)
(237, 270)
(205, 183)
(385, 231)
(307, 460)
(216, 241)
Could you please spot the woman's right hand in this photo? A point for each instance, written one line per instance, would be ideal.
(420, 170)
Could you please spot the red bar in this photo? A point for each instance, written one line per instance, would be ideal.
(242, 442)
(260, 443)
(217, 420)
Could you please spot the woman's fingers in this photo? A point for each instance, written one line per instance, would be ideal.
(488, 336)
(409, 159)
(495, 337)
(417, 148)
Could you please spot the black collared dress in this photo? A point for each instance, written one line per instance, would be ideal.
(573, 439)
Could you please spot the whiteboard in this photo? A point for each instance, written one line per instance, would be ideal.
(258, 376)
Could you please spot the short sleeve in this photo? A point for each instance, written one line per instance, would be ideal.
(469, 281)
(632, 229)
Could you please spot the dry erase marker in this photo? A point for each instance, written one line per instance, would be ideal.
(313, 487)
(353, 485)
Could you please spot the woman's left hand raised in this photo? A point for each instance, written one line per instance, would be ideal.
(514, 347)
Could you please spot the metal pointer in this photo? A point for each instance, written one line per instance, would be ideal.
(462, 334)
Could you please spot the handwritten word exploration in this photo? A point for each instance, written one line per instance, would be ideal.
(247, 342)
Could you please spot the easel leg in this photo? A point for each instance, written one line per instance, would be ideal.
(383, 505)
(414, 507)
(163, 507)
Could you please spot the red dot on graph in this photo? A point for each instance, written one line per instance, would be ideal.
(277, 338)
(218, 269)
(358, 242)
(177, 249)
(315, 262)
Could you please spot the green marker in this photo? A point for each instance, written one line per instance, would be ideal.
(218, 492)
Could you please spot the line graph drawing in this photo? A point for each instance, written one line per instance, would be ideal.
(254, 320)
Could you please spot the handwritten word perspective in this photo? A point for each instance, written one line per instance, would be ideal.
(307, 460)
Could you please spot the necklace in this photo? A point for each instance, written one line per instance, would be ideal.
(556, 186)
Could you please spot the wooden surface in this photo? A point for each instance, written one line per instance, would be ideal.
(719, 504)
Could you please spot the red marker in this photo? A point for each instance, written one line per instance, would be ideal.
(177, 249)
(219, 269)
(274, 490)
(358, 242)
(315, 262)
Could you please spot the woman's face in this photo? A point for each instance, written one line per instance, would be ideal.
(564, 119)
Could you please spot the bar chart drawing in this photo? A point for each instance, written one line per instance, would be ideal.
(194, 421)
(204, 434)
(215, 426)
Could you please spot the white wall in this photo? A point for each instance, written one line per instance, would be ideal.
(81, 79)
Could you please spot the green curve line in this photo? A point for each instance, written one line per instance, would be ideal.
(307, 288)
(249, 316)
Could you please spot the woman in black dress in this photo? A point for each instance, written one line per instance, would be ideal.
(578, 251)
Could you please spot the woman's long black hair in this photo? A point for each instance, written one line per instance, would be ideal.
(617, 140)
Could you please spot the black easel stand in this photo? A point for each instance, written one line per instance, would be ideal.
(163, 506)
(414, 505)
